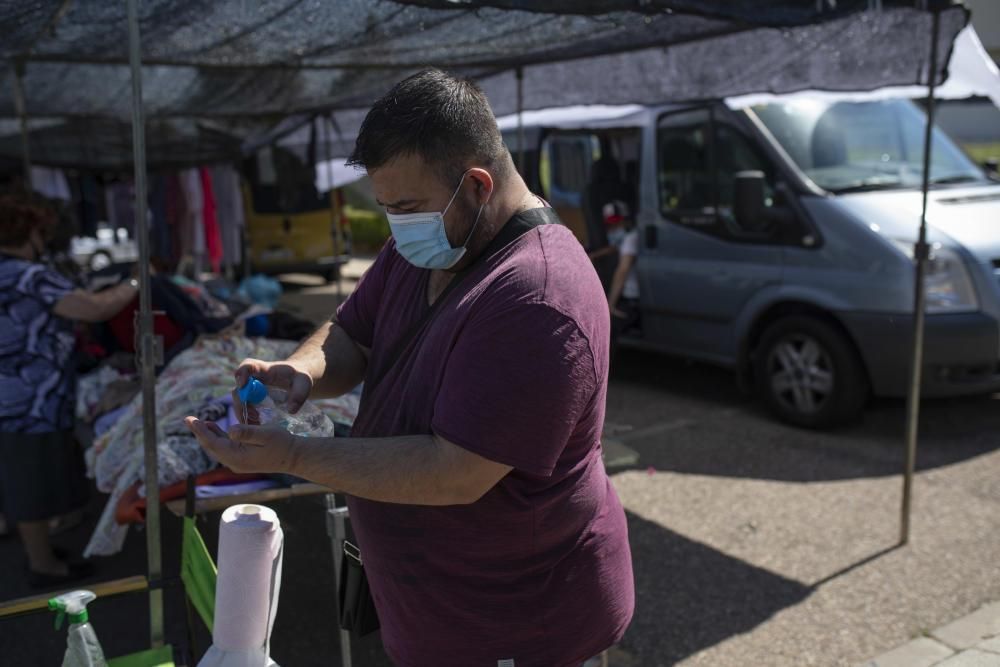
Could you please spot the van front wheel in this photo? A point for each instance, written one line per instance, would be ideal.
(809, 374)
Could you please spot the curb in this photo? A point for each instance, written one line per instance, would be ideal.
(971, 641)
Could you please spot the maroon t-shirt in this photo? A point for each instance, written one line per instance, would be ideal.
(514, 368)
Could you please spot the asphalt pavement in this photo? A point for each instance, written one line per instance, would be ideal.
(760, 544)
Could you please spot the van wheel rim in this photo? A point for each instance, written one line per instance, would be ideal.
(801, 374)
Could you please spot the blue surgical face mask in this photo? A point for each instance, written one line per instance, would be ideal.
(421, 238)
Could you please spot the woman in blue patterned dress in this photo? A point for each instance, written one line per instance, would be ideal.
(41, 467)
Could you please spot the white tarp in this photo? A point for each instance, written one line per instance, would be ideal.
(971, 73)
(336, 174)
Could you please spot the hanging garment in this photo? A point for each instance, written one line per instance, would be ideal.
(120, 201)
(213, 241)
(190, 180)
(159, 230)
(51, 183)
(90, 207)
(229, 212)
(176, 219)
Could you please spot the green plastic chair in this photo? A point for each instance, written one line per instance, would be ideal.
(154, 657)
(199, 574)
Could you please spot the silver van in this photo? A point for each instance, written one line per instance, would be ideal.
(777, 240)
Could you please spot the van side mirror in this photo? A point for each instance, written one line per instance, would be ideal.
(748, 200)
(992, 166)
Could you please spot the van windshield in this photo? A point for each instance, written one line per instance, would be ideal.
(858, 146)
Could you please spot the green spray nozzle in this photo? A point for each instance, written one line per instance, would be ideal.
(73, 604)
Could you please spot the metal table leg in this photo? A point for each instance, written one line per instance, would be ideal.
(336, 528)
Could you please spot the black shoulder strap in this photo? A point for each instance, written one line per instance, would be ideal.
(512, 230)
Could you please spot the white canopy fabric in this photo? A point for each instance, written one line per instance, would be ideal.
(971, 73)
(336, 174)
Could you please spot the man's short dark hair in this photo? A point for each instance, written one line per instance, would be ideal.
(445, 120)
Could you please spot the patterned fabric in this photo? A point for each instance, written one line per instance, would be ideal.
(36, 349)
(91, 389)
(191, 384)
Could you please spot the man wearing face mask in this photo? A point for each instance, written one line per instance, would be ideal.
(489, 530)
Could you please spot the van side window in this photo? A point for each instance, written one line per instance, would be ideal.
(571, 156)
(685, 175)
(699, 157)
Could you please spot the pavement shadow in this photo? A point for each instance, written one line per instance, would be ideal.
(709, 427)
(690, 597)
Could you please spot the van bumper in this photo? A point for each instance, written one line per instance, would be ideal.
(961, 352)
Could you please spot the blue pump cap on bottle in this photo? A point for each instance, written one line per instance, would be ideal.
(253, 392)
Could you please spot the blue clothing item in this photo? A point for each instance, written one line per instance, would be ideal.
(37, 375)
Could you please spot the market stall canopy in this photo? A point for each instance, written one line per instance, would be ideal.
(971, 73)
(250, 64)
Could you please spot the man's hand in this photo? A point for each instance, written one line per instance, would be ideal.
(280, 374)
(248, 449)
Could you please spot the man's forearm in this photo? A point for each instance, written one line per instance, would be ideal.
(333, 360)
(413, 469)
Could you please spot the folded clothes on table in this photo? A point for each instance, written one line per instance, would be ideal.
(131, 507)
(197, 382)
(221, 490)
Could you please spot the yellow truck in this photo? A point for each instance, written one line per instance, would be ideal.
(291, 227)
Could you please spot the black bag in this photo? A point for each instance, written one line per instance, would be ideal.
(357, 608)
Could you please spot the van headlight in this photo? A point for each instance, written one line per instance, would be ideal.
(947, 283)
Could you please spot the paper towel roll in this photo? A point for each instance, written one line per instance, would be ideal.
(246, 594)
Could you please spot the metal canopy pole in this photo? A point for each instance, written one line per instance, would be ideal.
(520, 121)
(336, 216)
(921, 252)
(147, 344)
(22, 114)
(336, 528)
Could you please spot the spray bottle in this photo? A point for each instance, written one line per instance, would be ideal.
(82, 647)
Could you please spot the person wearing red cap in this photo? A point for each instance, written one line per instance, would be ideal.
(623, 293)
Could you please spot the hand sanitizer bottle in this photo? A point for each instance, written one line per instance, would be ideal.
(270, 406)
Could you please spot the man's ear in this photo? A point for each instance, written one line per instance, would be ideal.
(484, 183)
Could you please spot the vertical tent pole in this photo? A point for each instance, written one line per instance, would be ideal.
(146, 340)
(335, 216)
(520, 121)
(921, 252)
(336, 528)
(22, 114)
